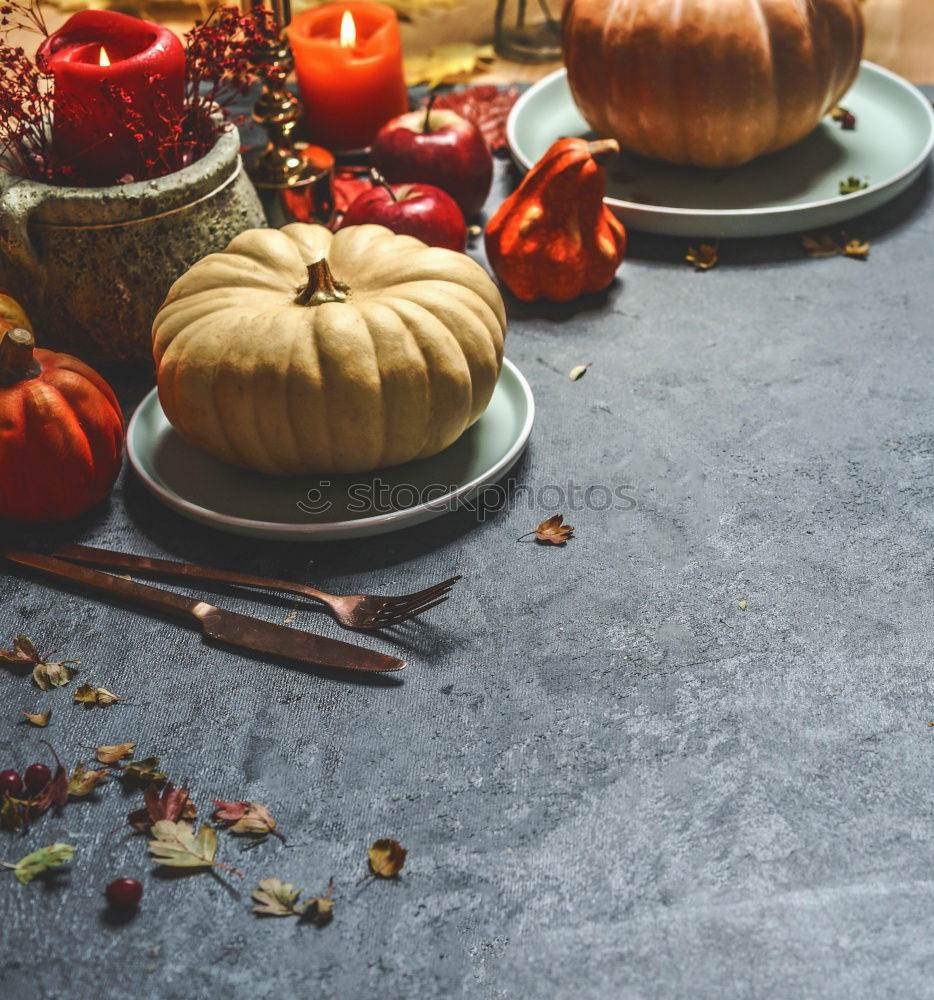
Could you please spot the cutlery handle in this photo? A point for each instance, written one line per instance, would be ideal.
(165, 602)
(183, 571)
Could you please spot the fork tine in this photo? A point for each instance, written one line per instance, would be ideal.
(392, 610)
(406, 615)
(407, 600)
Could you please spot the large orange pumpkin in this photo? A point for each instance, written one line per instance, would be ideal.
(61, 431)
(712, 83)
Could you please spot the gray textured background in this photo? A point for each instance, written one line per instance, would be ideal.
(612, 781)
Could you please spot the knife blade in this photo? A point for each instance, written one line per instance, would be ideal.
(229, 627)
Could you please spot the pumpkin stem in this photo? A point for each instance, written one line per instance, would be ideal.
(17, 361)
(322, 286)
(602, 150)
(427, 123)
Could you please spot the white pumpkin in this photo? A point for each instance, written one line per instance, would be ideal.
(302, 351)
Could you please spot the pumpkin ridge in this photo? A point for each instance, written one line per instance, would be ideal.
(49, 416)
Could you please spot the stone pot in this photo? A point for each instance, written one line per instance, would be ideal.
(92, 265)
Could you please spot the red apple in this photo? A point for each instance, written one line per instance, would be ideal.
(436, 147)
(418, 210)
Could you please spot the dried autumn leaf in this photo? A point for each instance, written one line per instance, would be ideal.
(319, 911)
(553, 530)
(40, 719)
(26, 869)
(276, 898)
(857, 248)
(246, 817)
(176, 845)
(823, 246)
(172, 804)
(846, 119)
(852, 184)
(50, 675)
(111, 754)
(387, 857)
(578, 371)
(447, 63)
(23, 653)
(87, 694)
(14, 813)
(145, 770)
(84, 780)
(46, 674)
(703, 257)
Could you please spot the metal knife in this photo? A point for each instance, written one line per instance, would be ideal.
(228, 627)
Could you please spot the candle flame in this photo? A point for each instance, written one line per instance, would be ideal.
(348, 31)
(105, 59)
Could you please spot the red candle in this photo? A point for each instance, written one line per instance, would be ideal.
(348, 60)
(119, 90)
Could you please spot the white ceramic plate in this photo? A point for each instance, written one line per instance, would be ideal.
(313, 508)
(791, 191)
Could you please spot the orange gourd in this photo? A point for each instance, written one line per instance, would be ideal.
(711, 83)
(61, 430)
(553, 237)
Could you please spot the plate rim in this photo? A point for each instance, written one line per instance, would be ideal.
(740, 213)
(334, 529)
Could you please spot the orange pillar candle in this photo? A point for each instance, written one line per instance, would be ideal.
(348, 60)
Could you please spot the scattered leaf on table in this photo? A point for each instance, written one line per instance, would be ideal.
(46, 674)
(857, 248)
(41, 719)
(852, 184)
(14, 813)
(742, 605)
(50, 675)
(276, 898)
(823, 246)
(84, 780)
(172, 804)
(111, 754)
(387, 857)
(145, 770)
(703, 257)
(320, 910)
(26, 869)
(176, 845)
(246, 817)
(846, 119)
(447, 63)
(578, 371)
(87, 694)
(23, 653)
(552, 531)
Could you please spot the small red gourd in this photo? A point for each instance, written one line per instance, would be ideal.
(553, 237)
(61, 432)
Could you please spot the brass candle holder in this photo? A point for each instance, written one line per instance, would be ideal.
(295, 181)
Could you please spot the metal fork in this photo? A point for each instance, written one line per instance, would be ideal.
(357, 611)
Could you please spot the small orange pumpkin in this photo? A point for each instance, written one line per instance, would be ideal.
(61, 430)
(553, 238)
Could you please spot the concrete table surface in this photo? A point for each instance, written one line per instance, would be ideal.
(612, 780)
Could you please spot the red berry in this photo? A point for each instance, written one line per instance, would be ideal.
(36, 777)
(10, 783)
(124, 892)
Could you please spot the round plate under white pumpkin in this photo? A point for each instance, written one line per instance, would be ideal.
(787, 192)
(318, 508)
